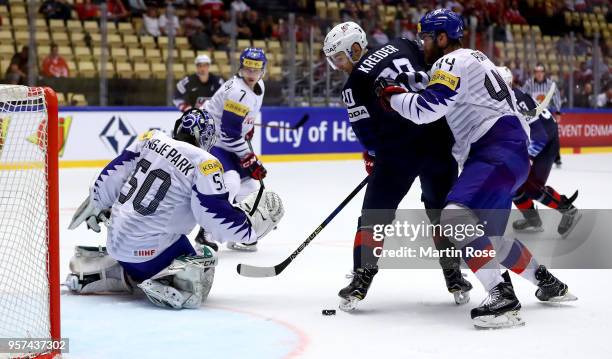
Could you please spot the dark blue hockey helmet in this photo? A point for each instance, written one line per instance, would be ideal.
(253, 57)
(441, 20)
(196, 127)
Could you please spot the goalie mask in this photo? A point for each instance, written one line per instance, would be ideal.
(196, 127)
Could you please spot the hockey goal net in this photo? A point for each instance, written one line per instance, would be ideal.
(29, 234)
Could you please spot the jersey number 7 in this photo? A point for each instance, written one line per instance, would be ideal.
(144, 166)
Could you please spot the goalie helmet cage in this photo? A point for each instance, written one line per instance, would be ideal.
(29, 216)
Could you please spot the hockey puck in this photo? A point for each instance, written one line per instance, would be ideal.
(328, 312)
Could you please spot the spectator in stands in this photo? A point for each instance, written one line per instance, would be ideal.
(255, 25)
(215, 7)
(195, 89)
(201, 40)
(191, 23)
(226, 23)
(137, 7)
(379, 36)
(240, 6)
(604, 100)
(270, 28)
(116, 11)
(151, 22)
(512, 14)
(55, 9)
(165, 26)
(17, 72)
(243, 31)
(584, 98)
(54, 65)
(219, 38)
(350, 12)
(87, 10)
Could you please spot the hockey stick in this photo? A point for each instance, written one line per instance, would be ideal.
(260, 272)
(261, 187)
(543, 105)
(299, 124)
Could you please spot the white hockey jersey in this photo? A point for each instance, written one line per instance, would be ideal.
(159, 188)
(234, 107)
(466, 88)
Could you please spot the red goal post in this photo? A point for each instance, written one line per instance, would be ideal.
(29, 216)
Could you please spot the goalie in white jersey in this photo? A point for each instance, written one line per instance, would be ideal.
(154, 193)
(234, 107)
(491, 144)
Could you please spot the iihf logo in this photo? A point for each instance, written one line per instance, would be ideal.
(118, 134)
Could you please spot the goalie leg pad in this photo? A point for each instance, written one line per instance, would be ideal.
(94, 271)
(268, 214)
(186, 283)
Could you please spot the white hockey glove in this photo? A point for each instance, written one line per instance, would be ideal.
(413, 81)
(88, 213)
(268, 214)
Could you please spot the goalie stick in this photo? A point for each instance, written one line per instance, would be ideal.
(542, 105)
(260, 272)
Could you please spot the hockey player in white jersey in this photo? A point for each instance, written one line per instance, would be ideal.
(234, 107)
(491, 145)
(151, 196)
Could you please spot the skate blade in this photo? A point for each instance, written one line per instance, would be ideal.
(507, 320)
(461, 297)
(348, 305)
(571, 228)
(530, 230)
(568, 297)
(241, 248)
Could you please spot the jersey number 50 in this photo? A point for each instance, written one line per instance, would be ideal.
(143, 166)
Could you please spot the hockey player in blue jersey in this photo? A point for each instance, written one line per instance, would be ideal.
(543, 150)
(151, 196)
(397, 151)
(491, 144)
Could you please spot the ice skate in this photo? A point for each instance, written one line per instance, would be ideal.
(501, 309)
(531, 223)
(551, 289)
(457, 285)
(570, 213)
(357, 289)
(242, 247)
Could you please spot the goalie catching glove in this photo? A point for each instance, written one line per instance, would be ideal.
(385, 88)
(90, 214)
(268, 214)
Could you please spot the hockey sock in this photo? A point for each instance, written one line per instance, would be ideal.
(550, 197)
(517, 258)
(522, 201)
(363, 249)
(485, 267)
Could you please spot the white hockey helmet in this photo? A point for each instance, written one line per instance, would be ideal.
(506, 74)
(341, 38)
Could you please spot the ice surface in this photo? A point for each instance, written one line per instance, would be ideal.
(407, 313)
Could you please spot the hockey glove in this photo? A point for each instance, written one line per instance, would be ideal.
(369, 162)
(413, 81)
(385, 88)
(252, 164)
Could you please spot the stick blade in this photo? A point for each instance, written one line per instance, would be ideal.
(246, 270)
(301, 122)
